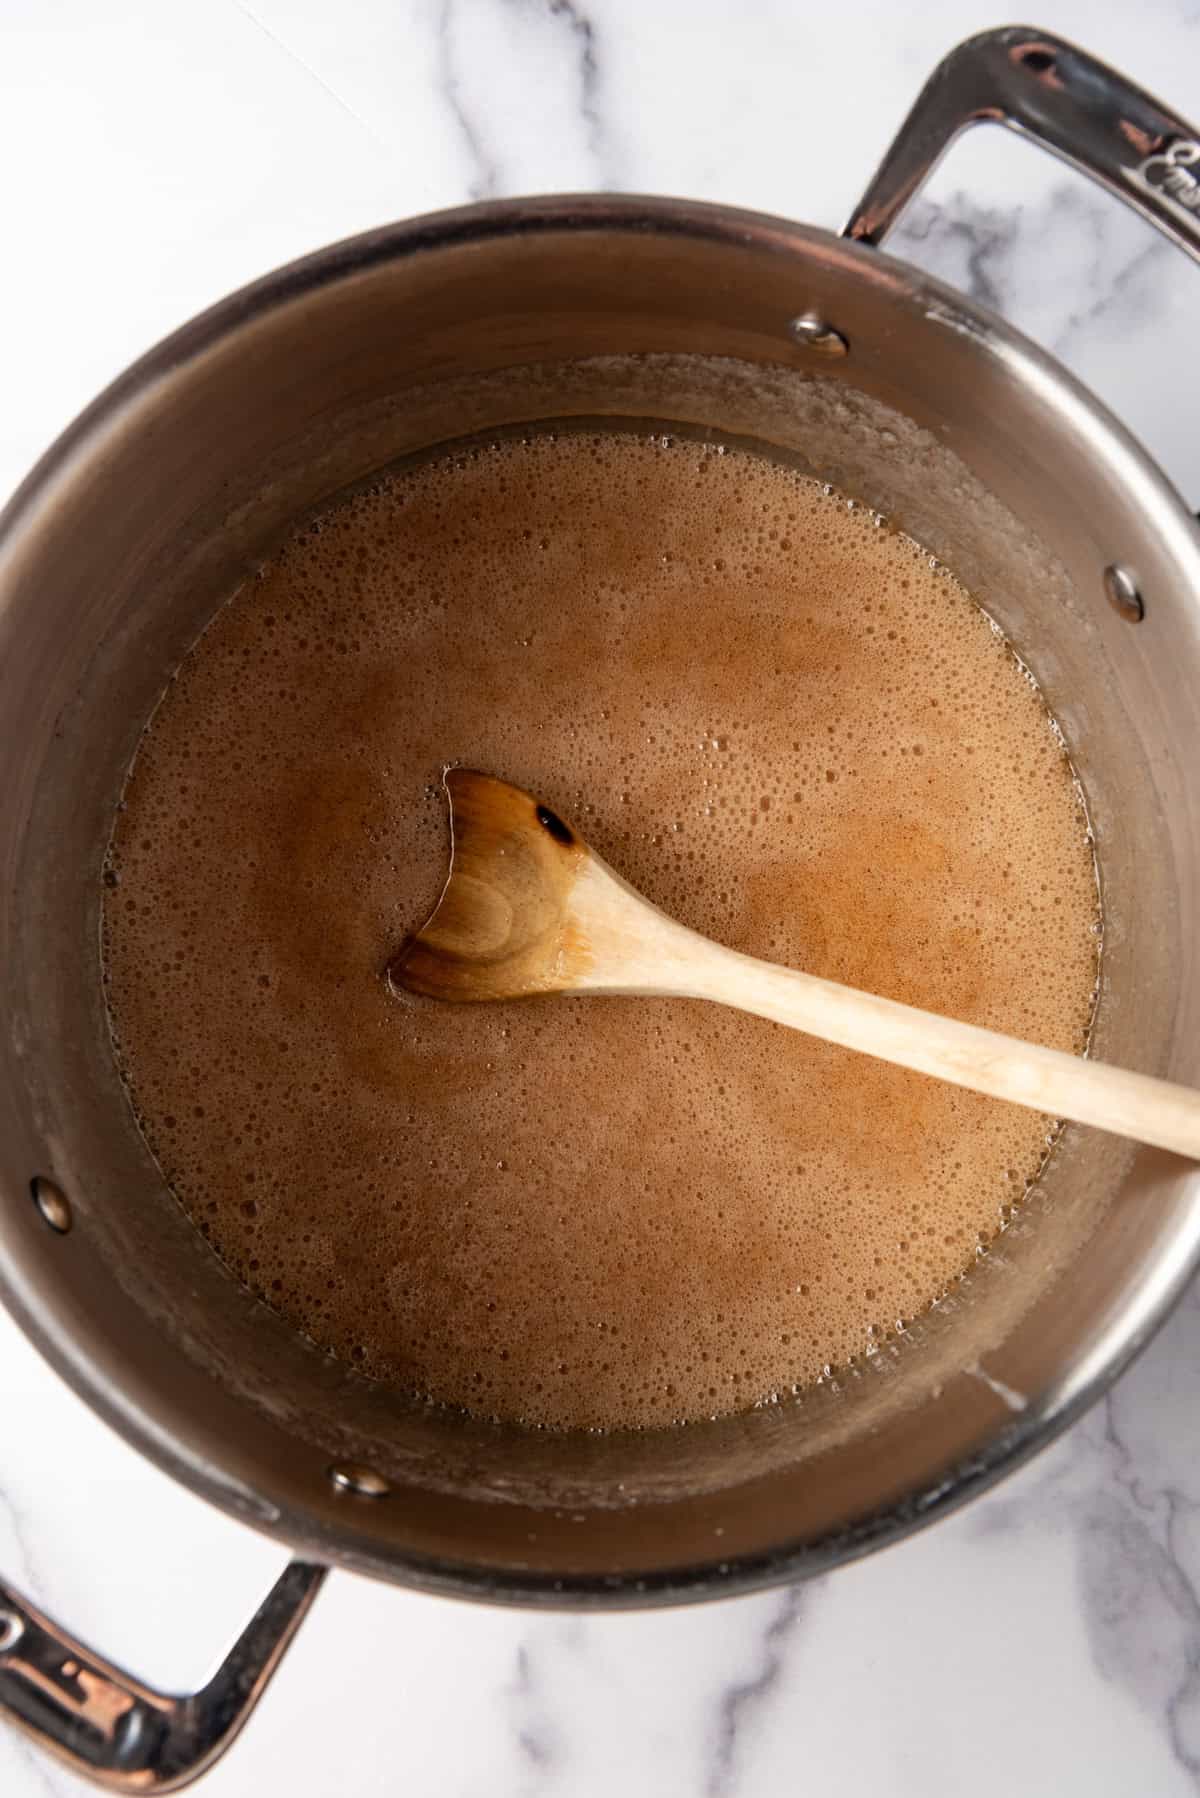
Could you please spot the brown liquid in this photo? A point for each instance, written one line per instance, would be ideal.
(787, 728)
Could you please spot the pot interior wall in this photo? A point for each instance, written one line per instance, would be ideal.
(191, 473)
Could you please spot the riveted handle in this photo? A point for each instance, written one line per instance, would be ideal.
(110, 1728)
(1060, 97)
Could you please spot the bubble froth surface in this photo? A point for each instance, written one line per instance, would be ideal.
(788, 727)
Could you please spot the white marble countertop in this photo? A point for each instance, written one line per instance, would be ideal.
(157, 153)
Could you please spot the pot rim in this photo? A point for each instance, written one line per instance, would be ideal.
(549, 215)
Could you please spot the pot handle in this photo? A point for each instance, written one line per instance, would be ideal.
(110, 1728)
(1061, 97)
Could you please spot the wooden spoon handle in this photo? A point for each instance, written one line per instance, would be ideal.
(985, 1061)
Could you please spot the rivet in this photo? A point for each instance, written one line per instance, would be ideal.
(52, 1202)
(1123, 593)
(11, 1630)
(813, 332)
(348, 1476)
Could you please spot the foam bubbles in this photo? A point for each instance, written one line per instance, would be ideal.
(788, 726)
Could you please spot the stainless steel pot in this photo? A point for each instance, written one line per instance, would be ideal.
(144, 517)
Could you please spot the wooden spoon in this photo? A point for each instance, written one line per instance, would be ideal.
(528, 908)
